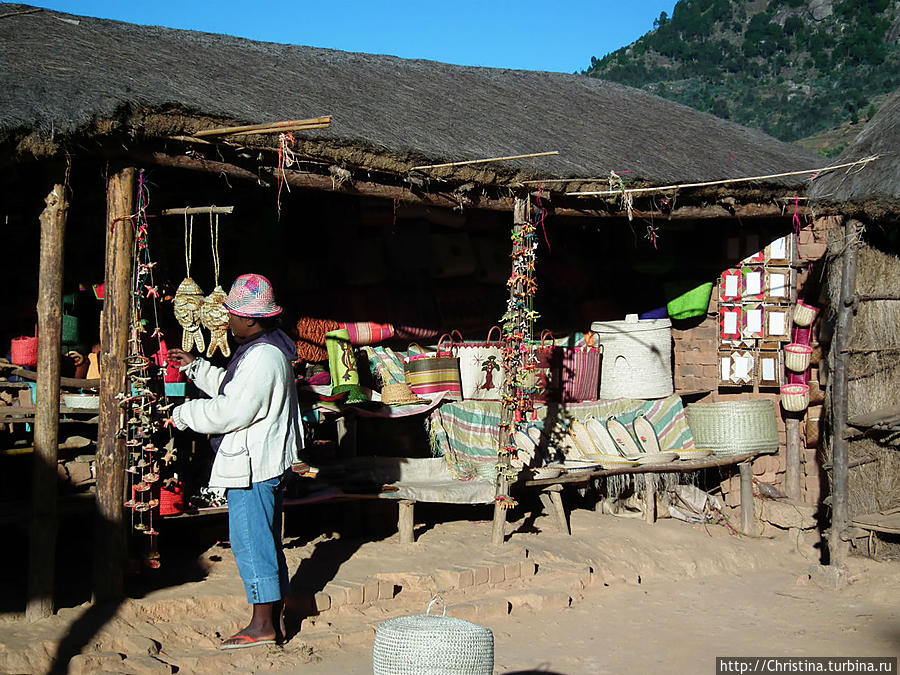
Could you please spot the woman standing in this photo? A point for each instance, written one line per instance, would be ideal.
(254, 422)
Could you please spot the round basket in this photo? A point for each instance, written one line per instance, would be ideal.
(734, 427)
(432, 645)
(796, 357)
(795, 397)
(804, 314)
(637, 358)
(23, 351)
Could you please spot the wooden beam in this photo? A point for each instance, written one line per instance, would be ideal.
(313, 181)
(42, 540)
(109, 540)
(843, 333)
(406, 521)
(191, 164)
(63, 381)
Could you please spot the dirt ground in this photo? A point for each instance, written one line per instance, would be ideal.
(617, 596)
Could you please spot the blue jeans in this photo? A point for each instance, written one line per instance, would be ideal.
(254, 528)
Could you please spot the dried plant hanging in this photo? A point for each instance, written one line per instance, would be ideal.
(189, 298)
(213, 314)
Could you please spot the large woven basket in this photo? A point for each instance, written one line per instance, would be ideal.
(734, 427)
(637, 358)
(427, 644)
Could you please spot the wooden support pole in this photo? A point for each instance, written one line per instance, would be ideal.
(792, 460)
(650, 498)
(406, 520)
(42, 541)
(498, 533)
(109, 542)
(842, 338)
(747, 510)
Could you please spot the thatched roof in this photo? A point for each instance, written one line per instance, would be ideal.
(873, 192)
(66, 76)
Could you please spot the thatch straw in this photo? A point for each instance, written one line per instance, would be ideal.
(874, 372)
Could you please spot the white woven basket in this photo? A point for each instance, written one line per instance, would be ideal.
(804, 314)
(428, 644)
(796, 357)
(637, 358)
(795, 397)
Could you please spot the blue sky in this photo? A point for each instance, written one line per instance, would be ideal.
(528, 35)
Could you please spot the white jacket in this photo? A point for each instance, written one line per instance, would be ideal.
(257, 413)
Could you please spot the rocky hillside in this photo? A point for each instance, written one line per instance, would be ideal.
(793, 68)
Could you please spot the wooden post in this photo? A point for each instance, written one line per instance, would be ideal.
(747, 514)
(406, 521)
(110, 542)
(792, 460)
(842, 338)
(42, 541)
(649, 498)
(503, 462)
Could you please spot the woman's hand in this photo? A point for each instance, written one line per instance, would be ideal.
(179, 357)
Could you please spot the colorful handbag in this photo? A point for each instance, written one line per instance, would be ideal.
(581, 371)
(431, 373)
(480, 367)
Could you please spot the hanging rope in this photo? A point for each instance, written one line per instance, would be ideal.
(214, 243)
(188, 242)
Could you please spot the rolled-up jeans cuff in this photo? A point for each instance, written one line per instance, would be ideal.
(267, 589)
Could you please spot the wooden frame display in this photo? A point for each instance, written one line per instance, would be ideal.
(754, 321)
(730, 285)
(731, 322)
(778, 324)
(743, 367)
(779, 283)
(753, 281)
(780, 251)
(768, 366)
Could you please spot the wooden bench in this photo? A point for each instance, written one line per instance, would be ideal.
(551, 488)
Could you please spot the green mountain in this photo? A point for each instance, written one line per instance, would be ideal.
(793, 68)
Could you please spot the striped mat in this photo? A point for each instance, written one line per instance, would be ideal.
(465, 432)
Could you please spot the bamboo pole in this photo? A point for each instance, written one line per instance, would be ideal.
(42, 542)
(224, 131)
(747, 505)
(842, 338)
(110, 536)
(483, 161)
(281, 130)
(199, 210)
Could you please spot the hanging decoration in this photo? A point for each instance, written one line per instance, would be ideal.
(518, 352)
(213, 314)
(143, 408)
(189, 298)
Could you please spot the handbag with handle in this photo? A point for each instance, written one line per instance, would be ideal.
(480, 367)
(431, 373)
(566, 374)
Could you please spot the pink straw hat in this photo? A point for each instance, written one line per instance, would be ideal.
(252, 295)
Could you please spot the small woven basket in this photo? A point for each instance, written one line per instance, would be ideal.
(428, 644)
(795, 397)
(23, 351)
(171, 500)
(804, 314)
(734, 427)
(796, 357)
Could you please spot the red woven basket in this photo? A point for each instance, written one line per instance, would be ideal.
(23, 351)
(171, 500)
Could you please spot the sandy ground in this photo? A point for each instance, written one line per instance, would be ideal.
(618, 596)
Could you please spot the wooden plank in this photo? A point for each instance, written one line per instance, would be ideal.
(792, 457)
(42, 539)
(109, 560)
(74, 382)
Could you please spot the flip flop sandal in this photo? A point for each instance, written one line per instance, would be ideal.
(244, 641)
(601, 437)
(645, 434)
(624, 441)
(582, 438)
(535, 434)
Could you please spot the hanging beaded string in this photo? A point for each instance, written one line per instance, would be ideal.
(141, 407)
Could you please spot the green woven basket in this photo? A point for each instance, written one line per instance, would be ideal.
(694, 302)
(734, 427)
